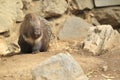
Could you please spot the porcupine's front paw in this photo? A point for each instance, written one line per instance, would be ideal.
(36, 51)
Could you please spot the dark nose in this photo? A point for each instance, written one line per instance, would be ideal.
(36, 31)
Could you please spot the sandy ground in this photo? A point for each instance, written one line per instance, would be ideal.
(104, 67)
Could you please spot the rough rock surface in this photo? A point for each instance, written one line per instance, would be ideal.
(74, 28)
(109, 15)
(59, 67)
(101, 38)
(84, 4)
(3, 47)
(48, 8)
(18, 10)
(9, 12)
(7, 48)
(26, 4)
(53, 7)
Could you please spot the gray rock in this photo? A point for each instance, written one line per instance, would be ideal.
(74, 28)
(59, 67)
(100, 3)
(101, 39)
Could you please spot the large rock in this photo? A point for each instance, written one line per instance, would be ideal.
(109, 15)
(101, 3)
(53, 7)
(81, 4)
(101, 38)
(10, 11)
(59, 67)
(74, 28)
(48, 8)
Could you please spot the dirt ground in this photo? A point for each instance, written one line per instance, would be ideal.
(104, 67)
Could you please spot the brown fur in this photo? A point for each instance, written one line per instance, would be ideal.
(33, 35)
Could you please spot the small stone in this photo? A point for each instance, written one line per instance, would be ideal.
(104, 68)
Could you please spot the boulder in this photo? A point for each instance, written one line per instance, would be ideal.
(101, 39)
(9, 10)
(59, 67)
(108, 15)
(53, 7)
(48, 8)
(74, 28)
(81, 4)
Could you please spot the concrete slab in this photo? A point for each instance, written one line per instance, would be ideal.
(101, 3)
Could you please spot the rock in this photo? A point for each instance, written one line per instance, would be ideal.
(74, 28)
(101, 3)
(59, 67)
(82, 4)
(101, 39)
(48, 8)
(19, 12)
(26, 4)
(108, 16)
(35, 0)
(8, 48)
(89, 16)
(9, 13)
(3, 47)
(104, 68)
(34, 7)
(20, 16)
(53, 7)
